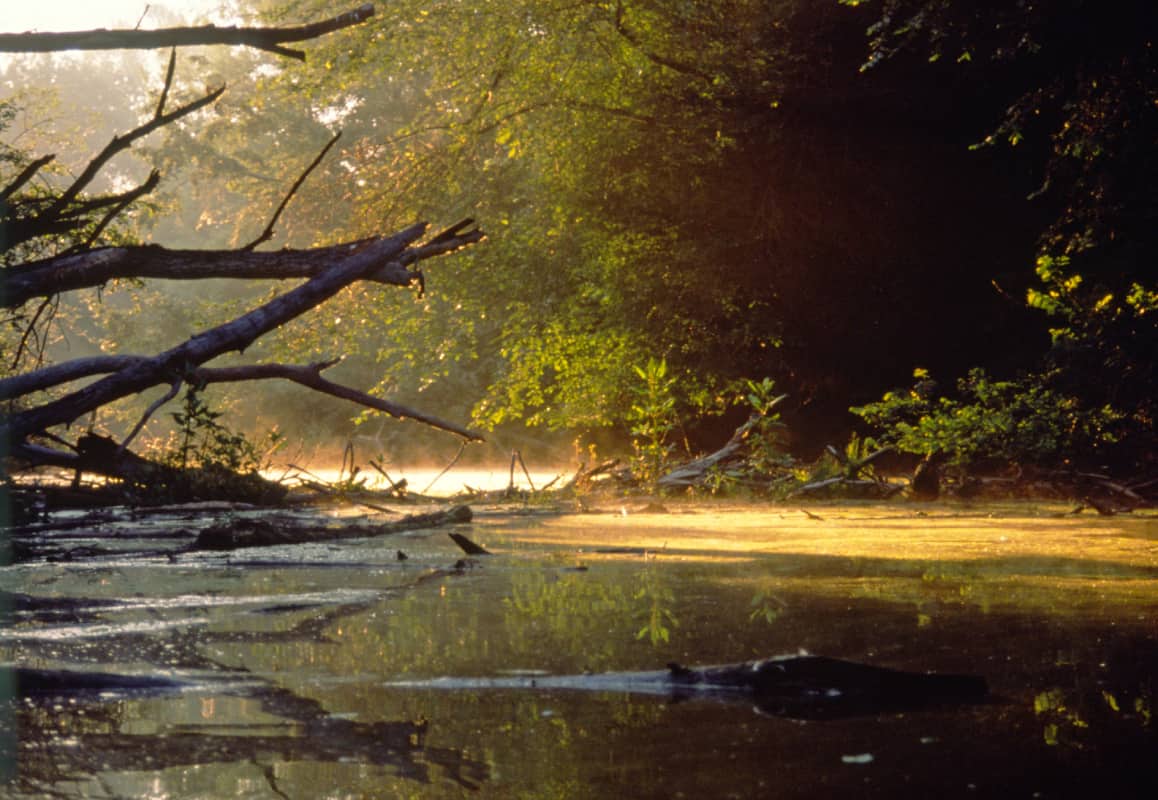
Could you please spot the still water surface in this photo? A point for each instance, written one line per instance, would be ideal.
(298, 665)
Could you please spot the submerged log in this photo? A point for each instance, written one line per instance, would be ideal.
(263, 533)
(796, 686)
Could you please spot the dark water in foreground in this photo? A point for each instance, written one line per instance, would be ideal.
(301, 669)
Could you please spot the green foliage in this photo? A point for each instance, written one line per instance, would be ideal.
(1085, 121)
(653, 420)
(590, 140)
(992, 422)
(203, 442)
(766, 448)
(766, 607)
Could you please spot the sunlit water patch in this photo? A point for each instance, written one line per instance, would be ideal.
(312, 677)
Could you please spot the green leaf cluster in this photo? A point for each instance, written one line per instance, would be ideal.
(993, 422)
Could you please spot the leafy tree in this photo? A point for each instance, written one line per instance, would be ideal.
(67, 221)
(1082, 98)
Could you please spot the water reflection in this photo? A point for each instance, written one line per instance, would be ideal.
(289, 661)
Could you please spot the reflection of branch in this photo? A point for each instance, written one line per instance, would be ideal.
(268, 232)
(268, 39)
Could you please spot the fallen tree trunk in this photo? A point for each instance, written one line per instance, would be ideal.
(175, 363)
(94, 268)
(694, 473)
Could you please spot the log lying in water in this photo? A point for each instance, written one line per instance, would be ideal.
(262, 533)
(797, 686)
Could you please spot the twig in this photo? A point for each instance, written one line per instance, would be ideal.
(267, 234)
(523, 464)
(446, 469)
(125, 199)
(122, 142)
(169, 395)
(24, 176)
(50, 305)
(168, 79)
(397, 487)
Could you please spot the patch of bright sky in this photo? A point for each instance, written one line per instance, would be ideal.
(17, 16)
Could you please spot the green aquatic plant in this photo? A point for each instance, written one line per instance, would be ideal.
(653, 420)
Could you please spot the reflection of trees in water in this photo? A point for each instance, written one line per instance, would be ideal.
(578, 613)
(68, 742)
(1103, 703)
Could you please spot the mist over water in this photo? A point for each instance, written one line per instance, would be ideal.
(428, 481)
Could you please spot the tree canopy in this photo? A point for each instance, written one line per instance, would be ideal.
(739, 189)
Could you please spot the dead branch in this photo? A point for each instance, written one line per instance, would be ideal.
(151, 410)
(56, 217)
(310, 376)
(170, 70)
(446, 469)
(57, 374)
(123, 142)
(121, 203)
(24, 177)
(92, 268)
(267, 234)
(268, 39)
(236, 335)
(468, 546)
(261, 533)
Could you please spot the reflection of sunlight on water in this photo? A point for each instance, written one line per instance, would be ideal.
(67, 633)
(428, 481)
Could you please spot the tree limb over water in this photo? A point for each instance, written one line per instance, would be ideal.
(94, 268)
(268, 39)
(67, 223)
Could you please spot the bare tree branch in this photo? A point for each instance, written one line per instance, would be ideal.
(268, 232)
(123, 142)
(268, 39)
(151, 410)
(69, 272)
(122, 202)
(235, 335)
(24, 176)
(58, 374)
(172, 68)
(311, 377)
